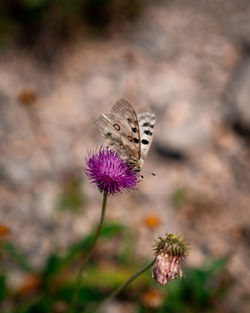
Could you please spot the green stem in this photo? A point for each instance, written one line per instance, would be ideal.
(124, 285)
(87, 257)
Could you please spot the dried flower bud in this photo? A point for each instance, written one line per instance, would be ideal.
(170, 252)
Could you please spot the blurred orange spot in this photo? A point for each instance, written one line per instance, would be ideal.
(31, 283)
(27, 96)
(152, 298)
(152, 221)
(4, 231)
(60, 307)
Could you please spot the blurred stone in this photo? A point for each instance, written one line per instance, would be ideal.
(114, 306)
(182, 122)
(238, 96)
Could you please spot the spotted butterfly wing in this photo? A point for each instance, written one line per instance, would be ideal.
(121, 127)
(146, 125)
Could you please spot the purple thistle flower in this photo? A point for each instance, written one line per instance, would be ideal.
(109, 172)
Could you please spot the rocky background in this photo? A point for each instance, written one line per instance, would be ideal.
(187, 61)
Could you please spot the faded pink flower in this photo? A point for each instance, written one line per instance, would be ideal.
(170, 252)
(166, 268)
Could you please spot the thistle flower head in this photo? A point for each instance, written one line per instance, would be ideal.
(109, 172)
(170, 252)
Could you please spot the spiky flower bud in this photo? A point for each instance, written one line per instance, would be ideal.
(170, 252)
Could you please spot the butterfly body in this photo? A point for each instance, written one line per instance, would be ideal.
(129, 135)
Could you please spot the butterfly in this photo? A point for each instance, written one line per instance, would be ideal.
(129, 135)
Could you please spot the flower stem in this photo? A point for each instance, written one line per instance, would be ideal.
(119, 289)
(89, 254)
(126, 283)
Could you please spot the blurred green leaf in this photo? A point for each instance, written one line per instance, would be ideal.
(3, 287)
(17, 256)
(191, 293)
(112, 276)
(81, 247)
(31, 4)
(126, 256)
(179, 197)
(55, 262)
(71, 197)
(86, 294)
(8, 29)
(27, 21)
(42, 304)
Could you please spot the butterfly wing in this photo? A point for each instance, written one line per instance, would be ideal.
(121, 127)
(146, 125)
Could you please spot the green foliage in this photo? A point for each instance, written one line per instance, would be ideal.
(179, 197)
(71, 197)
(17, 256)
(32, 4)
(56, 262)
(127, 249)
(31, 21)
(200, 291)
(197, 293)
(3, 287)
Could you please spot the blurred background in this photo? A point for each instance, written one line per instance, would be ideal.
(62, 64)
